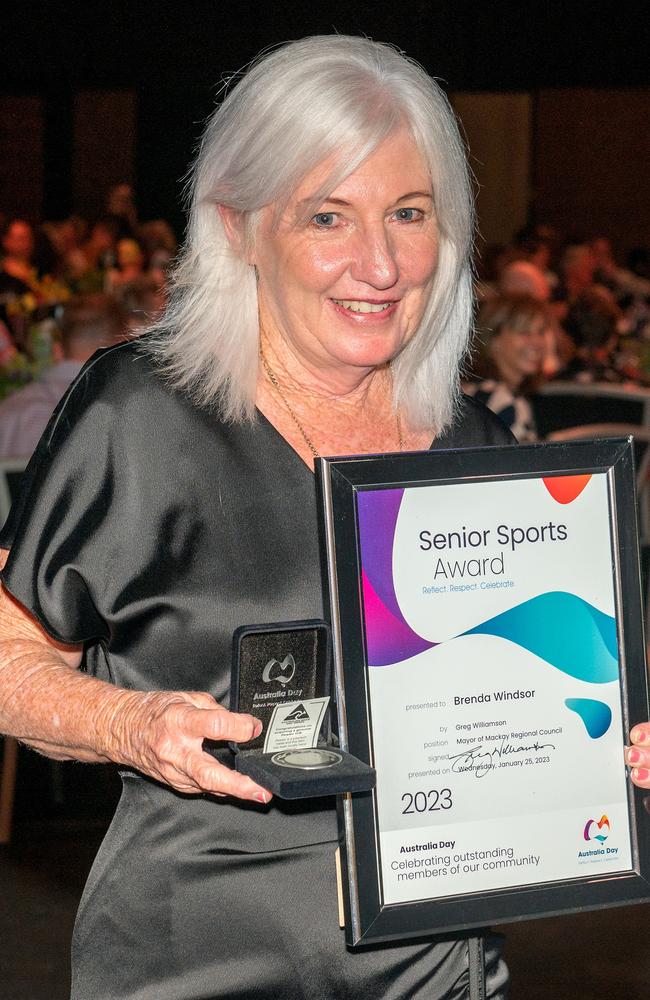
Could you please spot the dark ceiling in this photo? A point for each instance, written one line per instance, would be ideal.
(469, 46)
(175, 55)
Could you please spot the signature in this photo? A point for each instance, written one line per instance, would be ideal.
(481, 761)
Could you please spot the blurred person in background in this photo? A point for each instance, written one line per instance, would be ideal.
(22, 294)
(577, 273)
(509, 347)
(96, 257)
(523, 277)
(130, 264)
(88, 323)
(120, 202)
(621, 281)
(537, 248)
(18, 276)
(592, 322)
(631, 291)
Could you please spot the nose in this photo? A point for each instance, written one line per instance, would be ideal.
(375, 260)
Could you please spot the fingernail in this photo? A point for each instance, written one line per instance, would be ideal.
(633, 756)
(638, 736)
(263, 797)
(640, 774)
(258, 729)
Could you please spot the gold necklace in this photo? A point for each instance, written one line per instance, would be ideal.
(292, 413)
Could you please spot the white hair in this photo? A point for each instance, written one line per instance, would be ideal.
(324, 97)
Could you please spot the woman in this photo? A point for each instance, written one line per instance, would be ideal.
(321, 306)
(512, 335)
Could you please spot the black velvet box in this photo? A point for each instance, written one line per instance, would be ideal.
(281, 673)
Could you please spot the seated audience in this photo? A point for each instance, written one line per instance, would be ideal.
(523, 277)
(88, 323)
(511, 333)
(537, 248)
(592, 323)
(89, 271)
(621, 281)
(577, 273)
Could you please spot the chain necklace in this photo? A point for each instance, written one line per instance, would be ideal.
(308, 441)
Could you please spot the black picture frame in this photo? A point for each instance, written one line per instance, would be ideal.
(367, 918)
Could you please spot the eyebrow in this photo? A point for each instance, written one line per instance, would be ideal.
(346, 204)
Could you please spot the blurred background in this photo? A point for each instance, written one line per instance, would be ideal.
(554, 99)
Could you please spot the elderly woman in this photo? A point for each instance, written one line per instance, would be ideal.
(321, 306)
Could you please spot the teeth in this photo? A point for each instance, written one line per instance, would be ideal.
(358, 306)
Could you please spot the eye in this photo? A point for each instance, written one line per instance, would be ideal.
(325, 220)
(409, 214)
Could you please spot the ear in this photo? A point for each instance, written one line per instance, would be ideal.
(233, 225)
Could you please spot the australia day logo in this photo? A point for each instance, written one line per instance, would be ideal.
(597, 829)
(280, 672)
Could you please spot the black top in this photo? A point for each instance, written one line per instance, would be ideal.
(150, 530)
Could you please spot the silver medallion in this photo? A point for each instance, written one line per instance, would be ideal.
(309, 758)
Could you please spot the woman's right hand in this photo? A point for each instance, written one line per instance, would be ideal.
(161, 734)
(48, 703)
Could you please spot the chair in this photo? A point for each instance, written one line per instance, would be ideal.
(559, 405)
(11, 471)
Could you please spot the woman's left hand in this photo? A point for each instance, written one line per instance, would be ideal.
(637, 755)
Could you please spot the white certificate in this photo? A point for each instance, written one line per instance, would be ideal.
(493, 683)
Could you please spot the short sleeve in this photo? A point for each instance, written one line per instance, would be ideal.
(61, 529)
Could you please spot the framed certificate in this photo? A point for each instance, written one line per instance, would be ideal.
(489, 662)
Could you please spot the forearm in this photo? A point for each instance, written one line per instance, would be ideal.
(47, 702)
(60, 711)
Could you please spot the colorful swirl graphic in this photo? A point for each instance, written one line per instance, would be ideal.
(562, 629)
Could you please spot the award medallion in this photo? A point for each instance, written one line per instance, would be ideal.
(309, 758)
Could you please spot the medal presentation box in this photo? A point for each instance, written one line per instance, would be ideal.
(282, 675)
(487, 619)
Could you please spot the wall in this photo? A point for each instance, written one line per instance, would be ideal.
(21, 156)
(591, 163)
(104, 136)
(498, 132)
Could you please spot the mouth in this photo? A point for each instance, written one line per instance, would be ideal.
(363, 305)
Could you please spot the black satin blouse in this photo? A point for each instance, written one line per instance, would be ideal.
(149, 530)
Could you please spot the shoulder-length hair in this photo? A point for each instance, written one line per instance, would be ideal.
(514, 312)
(320, 98)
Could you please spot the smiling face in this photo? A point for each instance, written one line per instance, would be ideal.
(345, 289)
(518, 350)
